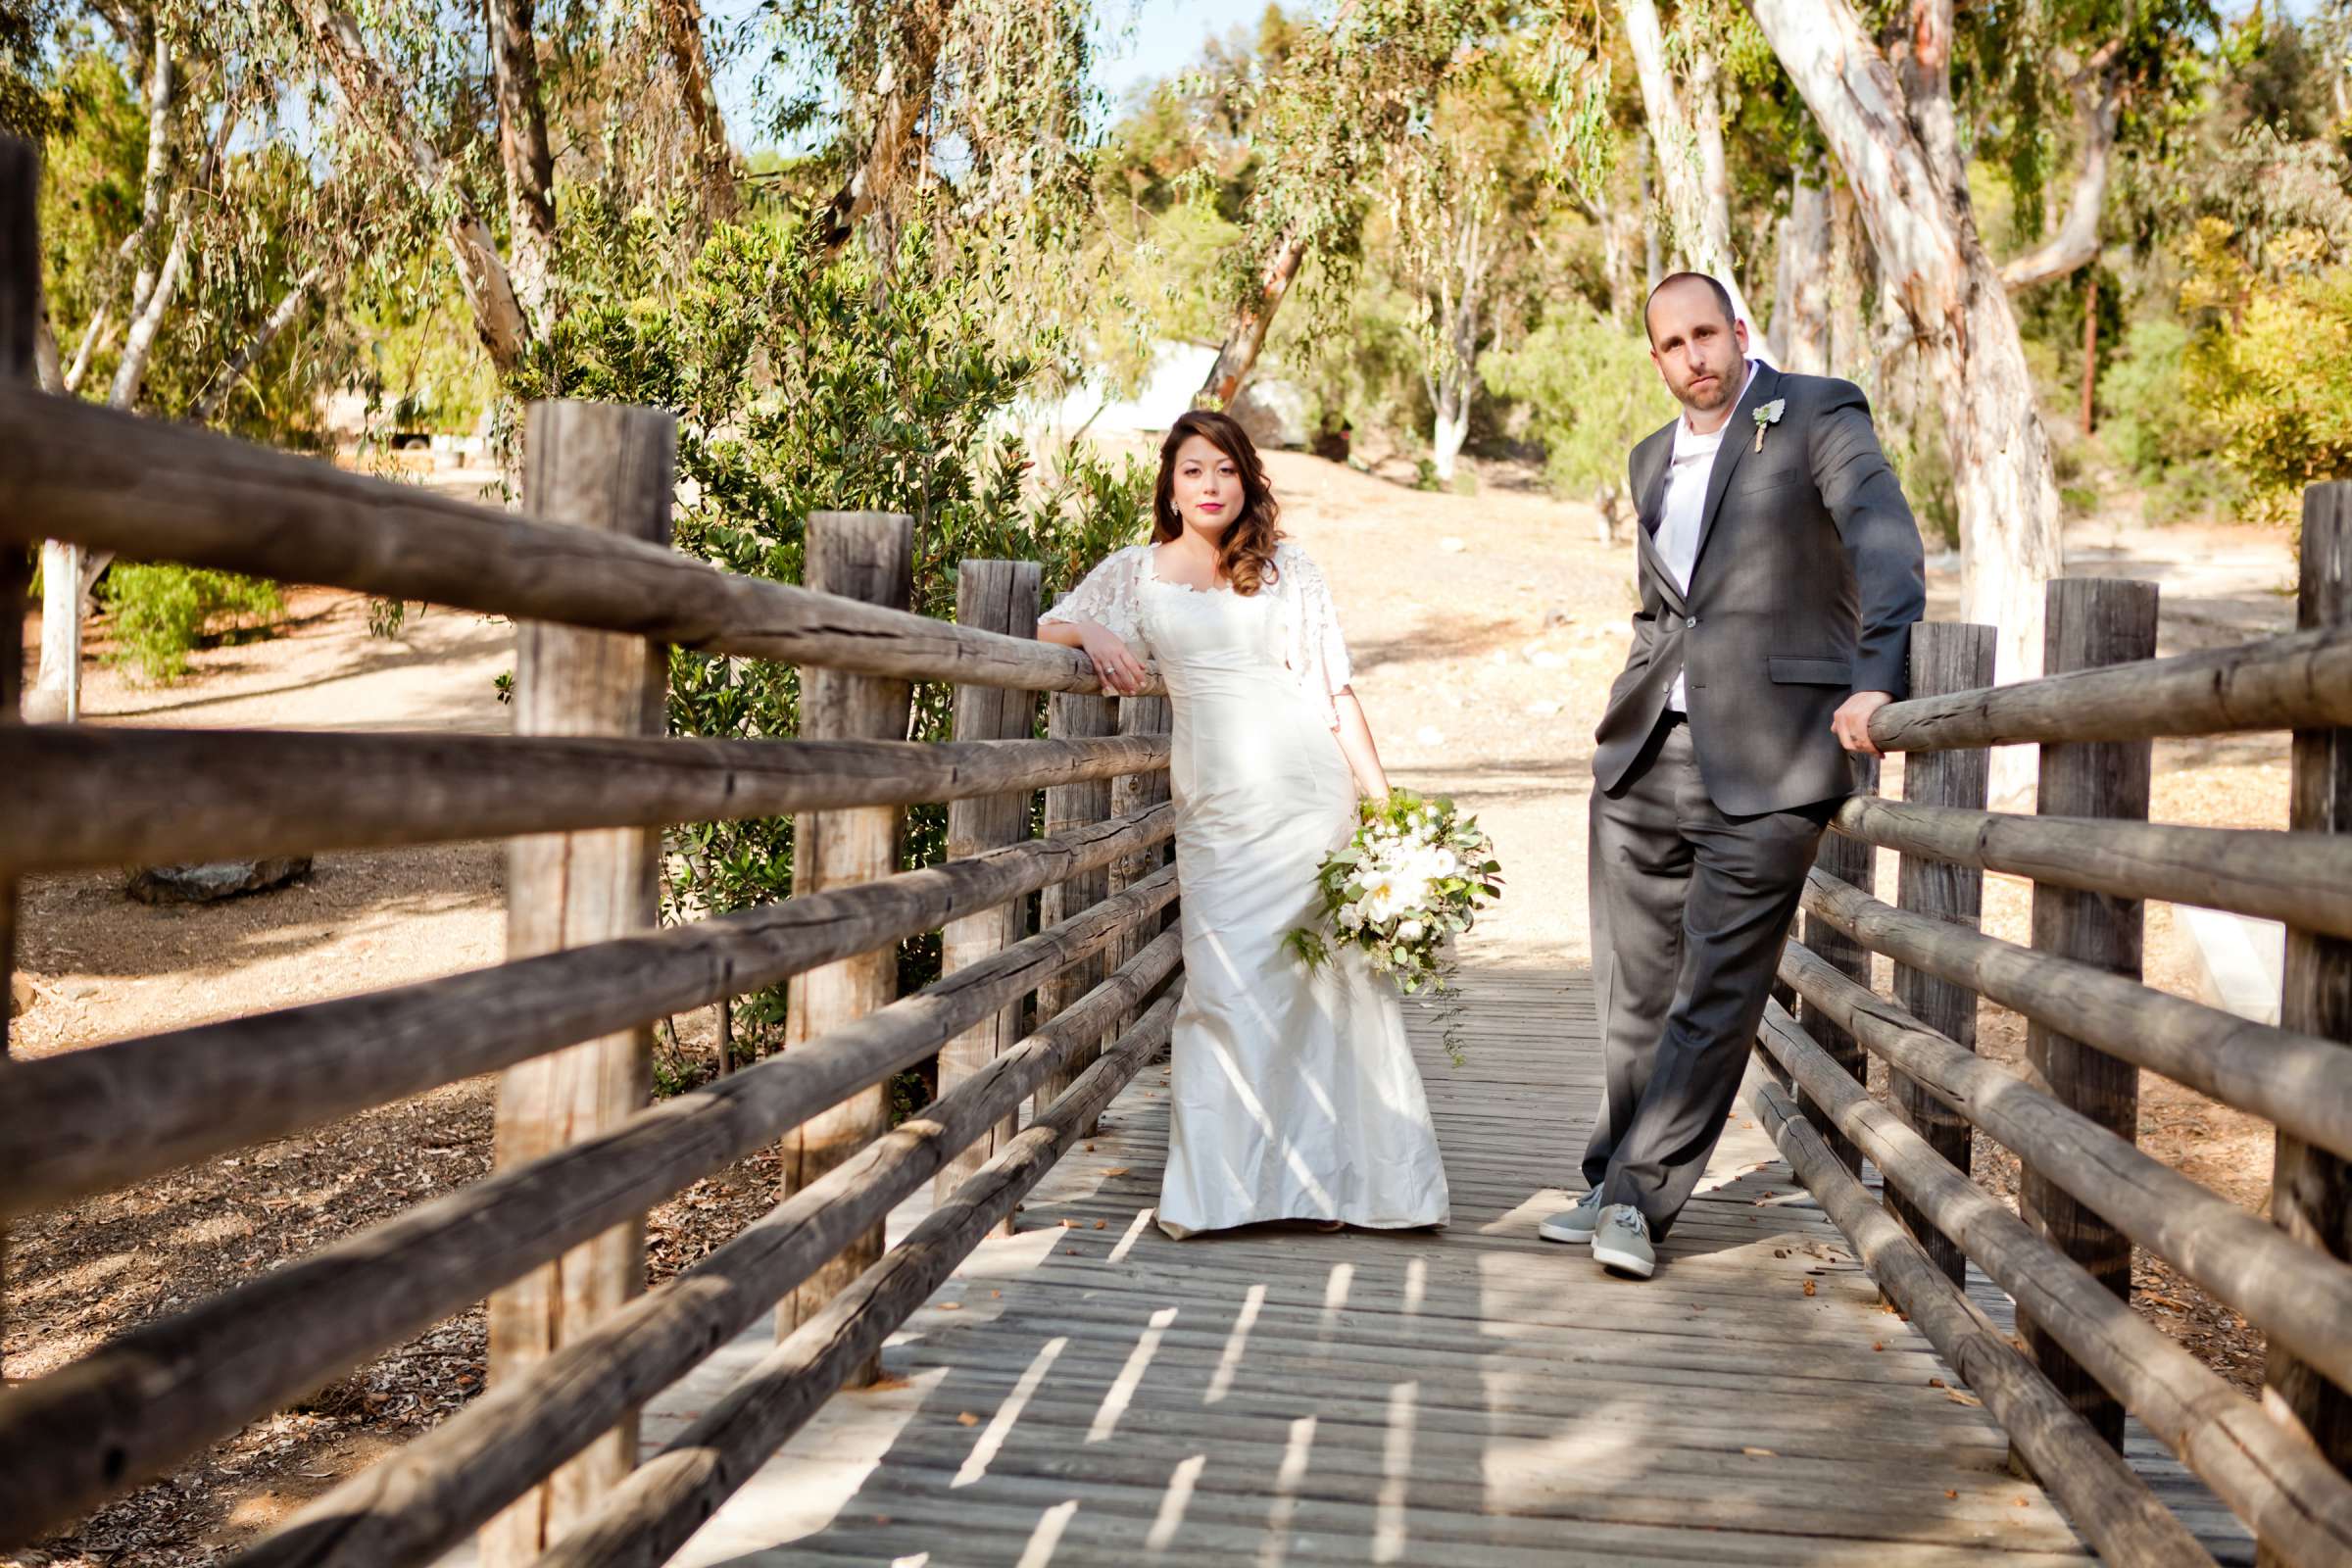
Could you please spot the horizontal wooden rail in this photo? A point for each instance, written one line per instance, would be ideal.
(2110, 1505)
(2299, 681)
(150, 490)
(87, 1120)
(2274, 1478)
(69, 1440)
(2296, 1294)
(2301, 1082)
(190, 795)
(426, 1498)
(2304, 879)
(674, 1493)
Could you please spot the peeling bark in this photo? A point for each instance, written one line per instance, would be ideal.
(904, 97)
(1800, 285)
(682, 32)
(1247, 333)
(523, 154)
(1902, 163)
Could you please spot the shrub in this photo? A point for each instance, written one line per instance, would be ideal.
(2271, 367)
(163, 613)
(1592, 393)
(804, 385)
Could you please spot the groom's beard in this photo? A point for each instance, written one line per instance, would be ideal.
(1709, 396)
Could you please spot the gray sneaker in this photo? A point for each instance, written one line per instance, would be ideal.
(1573, 1227)
(1621, 1244)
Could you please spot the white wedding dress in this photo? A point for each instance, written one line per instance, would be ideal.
(1295, 1095)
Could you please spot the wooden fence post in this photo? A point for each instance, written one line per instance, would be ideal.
(1848, 859)
(992, 596)
(1945, 657)
(2311, 1190)
(1070, 715)
(866, 556)
(611, 468)
(20, 307)
(2092, 621)
(1131, 793)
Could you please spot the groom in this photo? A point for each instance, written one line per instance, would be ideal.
(1780, 573)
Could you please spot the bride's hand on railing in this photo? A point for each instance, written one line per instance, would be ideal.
(1115, 664)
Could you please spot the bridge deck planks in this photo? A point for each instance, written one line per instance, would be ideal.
(1093, 1392)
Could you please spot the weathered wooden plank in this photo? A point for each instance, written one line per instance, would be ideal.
(2101, 1492)
(1854, 862)
(1945, 658)
(1070, 805)
(20, 315)
(156, 491)
(2311, 1189)
(2301, 878)
(216, 792)
(999, 596)
(612, 471)
(422, 1499)
(102, 1424)
(86, 1120)
(2300, 1081)
(2271, 1479)
(2089, 623)
(2302, 680)
(671, 1496)
(867, 556)
(2301, 1296)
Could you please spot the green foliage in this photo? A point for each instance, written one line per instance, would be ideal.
(2270, 369)
(1591, 392)
(2150, 423)
(163, 613)
(802, 385)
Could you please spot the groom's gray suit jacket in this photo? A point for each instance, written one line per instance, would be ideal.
(1809, 577)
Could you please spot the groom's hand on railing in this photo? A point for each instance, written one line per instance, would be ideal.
(1852, 721)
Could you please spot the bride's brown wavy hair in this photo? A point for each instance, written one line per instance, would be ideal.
(1246, 550)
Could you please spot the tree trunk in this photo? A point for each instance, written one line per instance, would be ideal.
(1247, 333)
(1653, 259)
(1900, 155)
(138, 347)
(1800, 285)
(2090, 351)
(523, 154)
(682, 32)
(902, 97)
(1691, 159)
(375, 99)
(2098, 97)
(282, 315)
(1850, 354)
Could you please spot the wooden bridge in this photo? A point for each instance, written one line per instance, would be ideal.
(1080, 1389)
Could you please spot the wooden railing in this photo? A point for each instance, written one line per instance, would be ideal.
(546, 1459)
(2088, 1196)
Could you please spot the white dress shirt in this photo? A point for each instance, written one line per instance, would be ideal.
(1687, 473)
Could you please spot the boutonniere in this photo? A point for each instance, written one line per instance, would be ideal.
(1767, 416)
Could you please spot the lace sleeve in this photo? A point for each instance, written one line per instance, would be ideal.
(1111, 598)
(1317, 652)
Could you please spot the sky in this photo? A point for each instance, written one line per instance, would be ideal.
(1145, 39)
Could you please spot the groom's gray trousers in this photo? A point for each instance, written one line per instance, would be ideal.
(1690, 911)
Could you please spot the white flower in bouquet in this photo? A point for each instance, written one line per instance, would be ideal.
(1408, 931)
(1351, 917)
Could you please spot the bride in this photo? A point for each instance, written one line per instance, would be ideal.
(1295, 1095)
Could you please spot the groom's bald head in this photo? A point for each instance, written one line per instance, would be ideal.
(1688, 281)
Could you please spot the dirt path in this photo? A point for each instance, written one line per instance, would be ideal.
(1485, 628)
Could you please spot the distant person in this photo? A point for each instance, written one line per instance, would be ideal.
(1781, 574)
(1295, 1095)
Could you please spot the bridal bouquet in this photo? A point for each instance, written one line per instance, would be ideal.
(1414, 875)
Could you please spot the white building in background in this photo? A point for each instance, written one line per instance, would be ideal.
(1272, 409)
